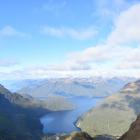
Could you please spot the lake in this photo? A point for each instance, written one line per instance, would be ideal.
(64, 121)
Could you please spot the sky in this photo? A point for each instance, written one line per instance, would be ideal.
(79, 38)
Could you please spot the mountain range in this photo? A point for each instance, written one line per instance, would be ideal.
(68, 87)
(110, 119)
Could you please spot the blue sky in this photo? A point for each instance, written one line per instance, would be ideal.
(41, 38)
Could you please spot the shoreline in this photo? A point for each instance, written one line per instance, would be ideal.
(76, 119)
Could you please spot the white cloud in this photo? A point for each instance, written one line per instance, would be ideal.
(52, 31)
(8, 63)
(9, 31)
(127, 27)
(131, 61)
(107, 10)
(80, 34)
(117, 55)
(105, 60)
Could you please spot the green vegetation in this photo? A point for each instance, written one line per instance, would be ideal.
(115, 114)
(16, 121)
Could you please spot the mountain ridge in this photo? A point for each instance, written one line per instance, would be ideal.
(92, 87)
(113, 115)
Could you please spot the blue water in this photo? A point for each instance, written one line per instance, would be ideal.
(63, 121)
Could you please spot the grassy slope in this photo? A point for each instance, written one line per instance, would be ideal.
(114, 115)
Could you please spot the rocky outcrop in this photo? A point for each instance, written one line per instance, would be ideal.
(104, 137)
(134, 131)
(79, 136)
(132, 88)
(72, 136)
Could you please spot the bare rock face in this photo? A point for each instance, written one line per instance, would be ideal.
(79, 136)
(104, 137)
(72, 136)
(132, 88)
(134, 131)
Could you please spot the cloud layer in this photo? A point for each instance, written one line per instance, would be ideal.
(7, 63)
(81, 34)
(121, 48)
(9, 31)
(118, 55)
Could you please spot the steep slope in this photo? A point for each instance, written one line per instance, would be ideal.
(72, 136)
(78, 136)
(54, 103)
(115, 114)
(16, 121)
(134, 131)
(67, 87)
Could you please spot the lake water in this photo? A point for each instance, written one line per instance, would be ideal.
(63, 121)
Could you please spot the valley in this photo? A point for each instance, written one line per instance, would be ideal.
(69, 69)
(60, 116)
(66, 98)
(64, 121)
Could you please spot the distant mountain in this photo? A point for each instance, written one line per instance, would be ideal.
(114, 115)
(16, 121)
(54, 103)
(67, 87)
(15, 85)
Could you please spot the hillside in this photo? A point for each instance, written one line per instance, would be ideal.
(54, 103)
(20, 114)
(114, 115)
(16, 121)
